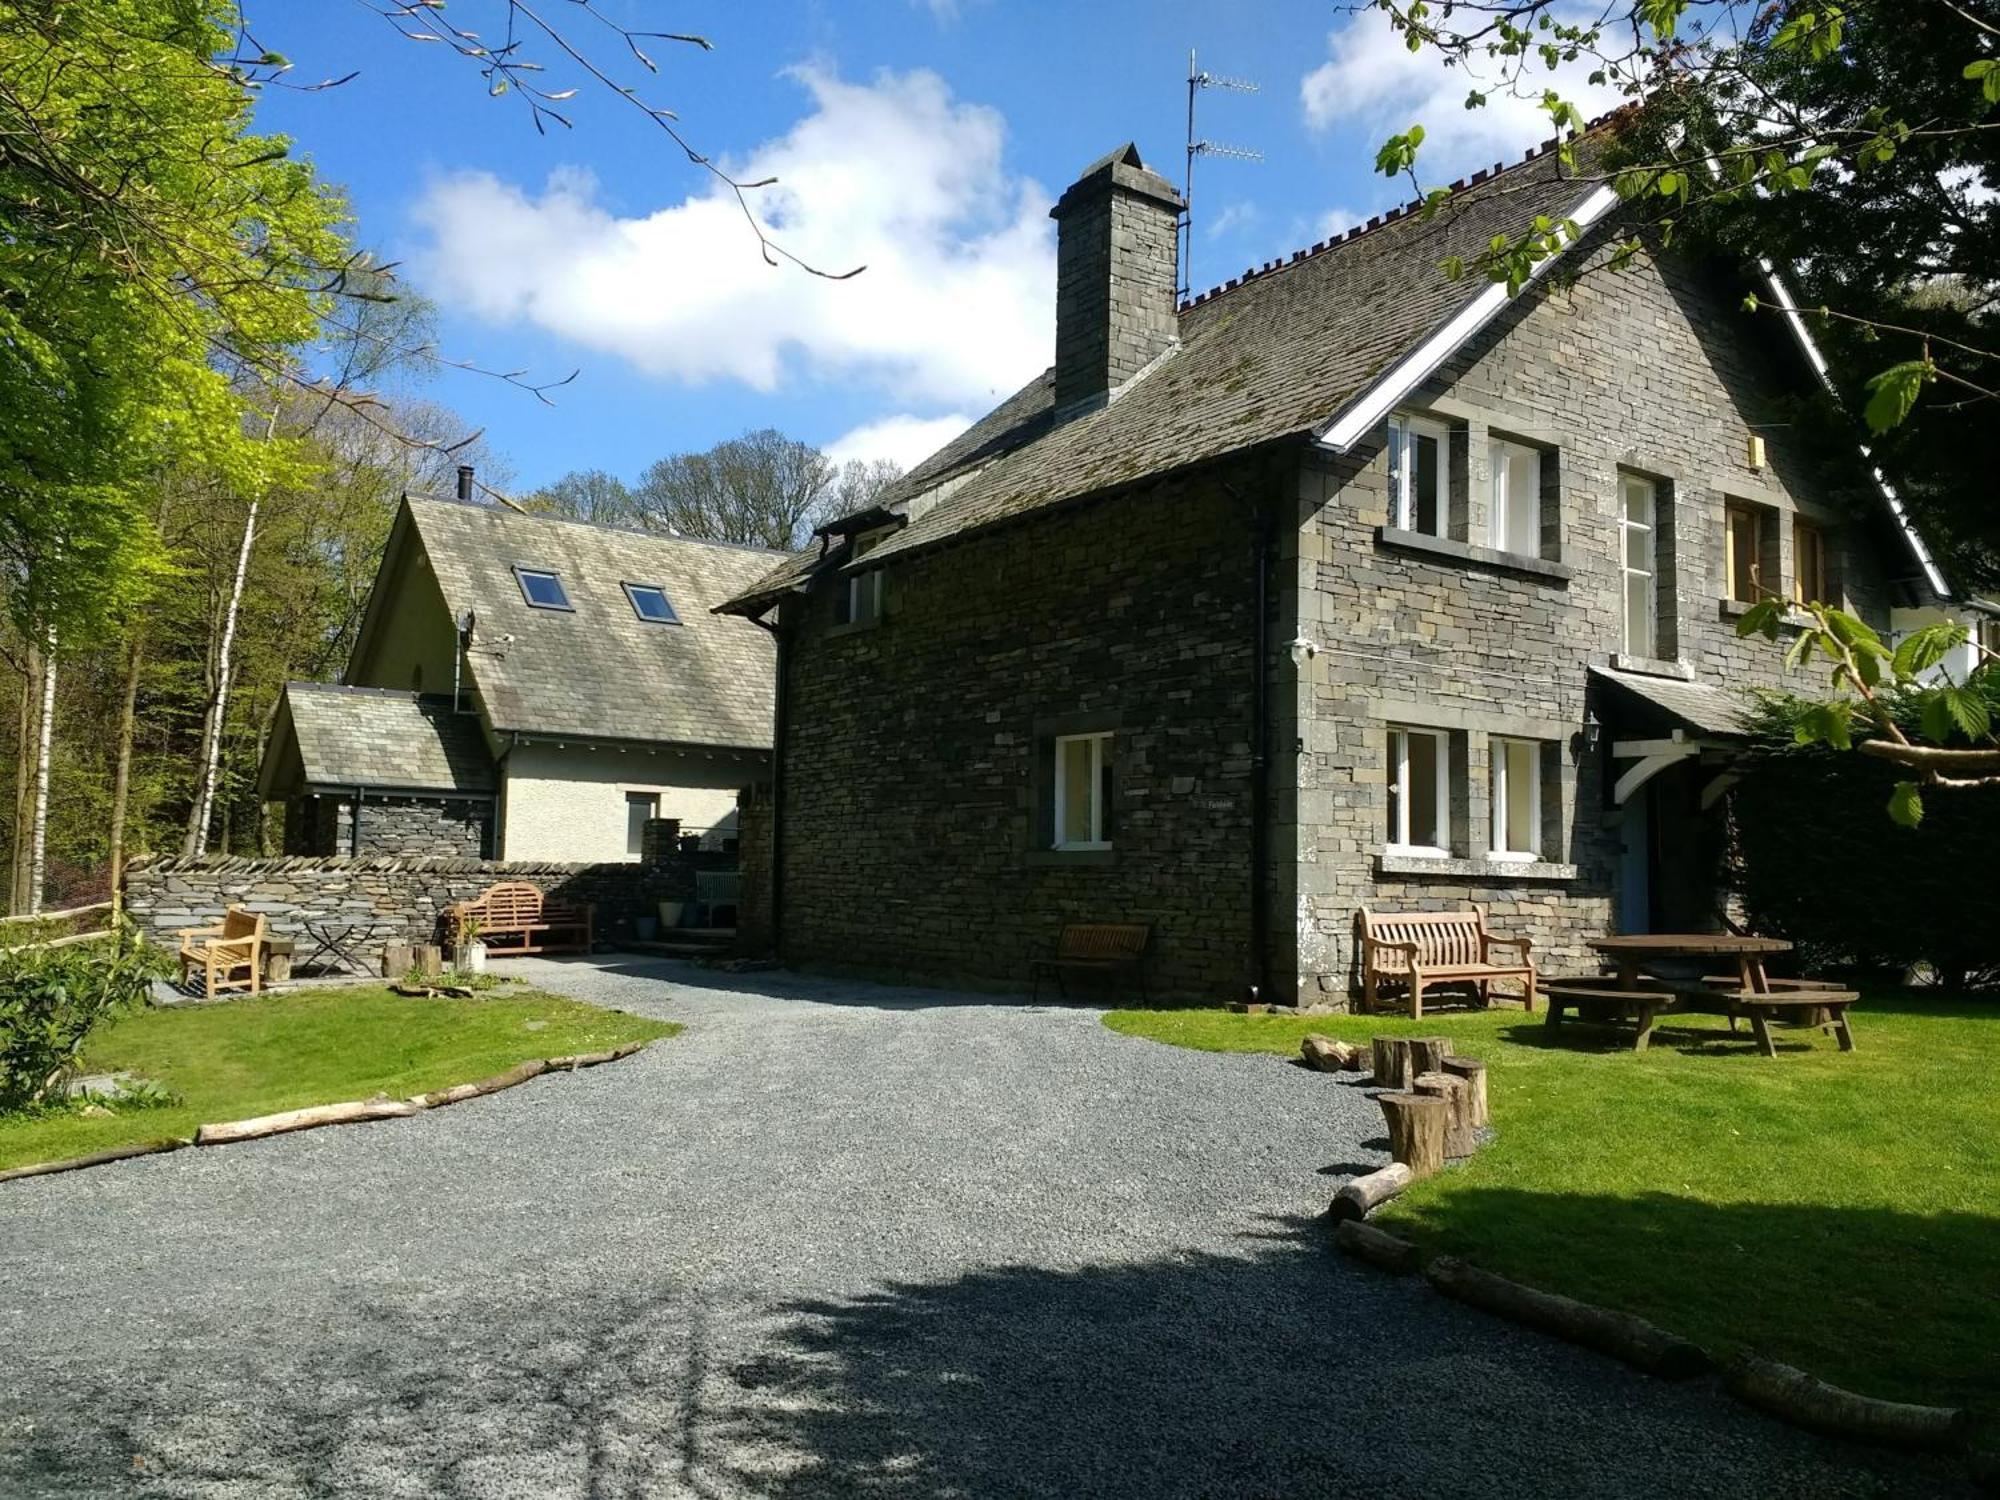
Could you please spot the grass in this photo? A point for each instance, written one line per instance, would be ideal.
(1840, 1212)
(254, 1057)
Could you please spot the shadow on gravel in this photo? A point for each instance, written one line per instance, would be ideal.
(818, 989)
(1276, 1371)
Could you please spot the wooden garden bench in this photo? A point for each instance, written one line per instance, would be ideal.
(515, 917)
(1095, 948)
(1802, 1002)
(1420, 949)
(1604, 1000)
(230, 954)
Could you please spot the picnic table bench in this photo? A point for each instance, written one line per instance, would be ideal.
(516, 917)
(1095, 948)
(1419, 949)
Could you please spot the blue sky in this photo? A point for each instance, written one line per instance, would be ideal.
(925, 137)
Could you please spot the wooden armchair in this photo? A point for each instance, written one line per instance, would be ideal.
(229, 954)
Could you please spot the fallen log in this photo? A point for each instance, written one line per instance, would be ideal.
(1459, 1137)
(593, 1059)
(1473, 1071)
(1325, 1054)
(95, 1159)
(305, 1119)
(1360, 1196)
(1807, 1402)
(458, 1093)
(1620, 1335)
(1376, 1246)
(1417, 1125)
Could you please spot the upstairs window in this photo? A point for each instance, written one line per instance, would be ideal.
(1517, 799)
(1517, 498)
(861, 600)
(1419, 475)
(542, 589)
(1749, 536)
(640, 809)
(1809, 572)
(1418, 799)
(650, 603)
(1637, 515)
(1083, 791)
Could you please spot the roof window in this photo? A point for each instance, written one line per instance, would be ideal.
(650, 603)
(542, 589)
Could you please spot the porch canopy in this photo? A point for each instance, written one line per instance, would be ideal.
(1660, 722)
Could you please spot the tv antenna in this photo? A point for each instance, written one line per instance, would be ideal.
(1196, 146)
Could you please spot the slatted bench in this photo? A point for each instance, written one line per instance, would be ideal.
(515, 917)
(1420, 949)
(1604, 1000)
(1111, 948)
(1800, 1002)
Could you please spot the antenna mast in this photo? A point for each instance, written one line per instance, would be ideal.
(1196, 146)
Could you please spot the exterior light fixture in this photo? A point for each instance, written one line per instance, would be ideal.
(1585, 740)
(1303, 651)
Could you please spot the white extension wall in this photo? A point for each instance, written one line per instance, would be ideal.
(569, 802)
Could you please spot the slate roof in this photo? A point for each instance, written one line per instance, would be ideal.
(1270, 357)
(597, 671)
(329, 736)
(1687, 705)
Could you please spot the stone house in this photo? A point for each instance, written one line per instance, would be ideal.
(529, 688)
(1343, 585)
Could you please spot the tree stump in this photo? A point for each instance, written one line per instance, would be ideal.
(1417, 1127)
(430, 960)
(1427, 1055)
(1392, 1062)
(1362, 1195)
(1324, 1054)
(1459, 1138)
(396, 960)
(1473, 1071)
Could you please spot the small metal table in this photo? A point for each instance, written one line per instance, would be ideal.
(334, 939)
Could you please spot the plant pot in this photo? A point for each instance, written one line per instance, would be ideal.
(670, 913)
(470, 957)
(644, 928)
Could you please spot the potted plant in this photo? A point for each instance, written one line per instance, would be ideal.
(468, 953)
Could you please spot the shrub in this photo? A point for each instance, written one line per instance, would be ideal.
(1817, 861)
(52, 999)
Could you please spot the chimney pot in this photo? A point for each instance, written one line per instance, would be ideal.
(465, 481)
(1117, 276)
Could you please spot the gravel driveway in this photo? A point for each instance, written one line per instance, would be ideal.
(833, 1240)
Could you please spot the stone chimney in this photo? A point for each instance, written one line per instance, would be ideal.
(1117, 272)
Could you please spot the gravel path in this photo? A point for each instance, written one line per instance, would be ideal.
(833, 1240)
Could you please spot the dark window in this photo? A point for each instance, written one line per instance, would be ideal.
(542, 589)
(639, 808)
(649, 602)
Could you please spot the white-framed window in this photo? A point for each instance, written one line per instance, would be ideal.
(1517, 798)
(1419, 475)
(1517, 498)
(639, 808)
(1419, 796)
(1637, 502)
(863, 600)
(1083, 791)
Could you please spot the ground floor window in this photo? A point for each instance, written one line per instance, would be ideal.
(1517, 799)
(1418, 801)
(640, 808)
(1083, 791)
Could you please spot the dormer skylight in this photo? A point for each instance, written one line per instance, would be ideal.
(542, 589)
(650, 603)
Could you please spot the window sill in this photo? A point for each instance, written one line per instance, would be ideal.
(1447, 550)
(1651, 666)
(1432, 867)
(1073, 858)
(1794, 618)
(854, 627)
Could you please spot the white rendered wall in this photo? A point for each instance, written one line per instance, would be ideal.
(568, 803)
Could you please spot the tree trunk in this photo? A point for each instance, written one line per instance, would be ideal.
(218, 708)
(1807, 1402)
(1427, 1054)
(38, 858)
(1376, 1246)
(121, 781)
(1417, 1124)
(24, 783)
(1473, 1071)
(1324, 1054)
(1392, 1061)
(1459, 1139)
(1363, 1195)
(1620, 1335)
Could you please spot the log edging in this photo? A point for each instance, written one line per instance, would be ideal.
(318, 1116)
(1806, 1401)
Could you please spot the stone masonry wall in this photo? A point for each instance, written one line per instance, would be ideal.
(753, 836)
(391, 899)
(404, 827)
(1651, 371)
(916, 824)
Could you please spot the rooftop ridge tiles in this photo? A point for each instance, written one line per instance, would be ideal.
(508, 513)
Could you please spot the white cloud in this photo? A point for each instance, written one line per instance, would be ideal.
(956, 306)
(1238, 215)
(1371, 81)
(908, 440)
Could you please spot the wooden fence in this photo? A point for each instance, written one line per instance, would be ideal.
(77, 914)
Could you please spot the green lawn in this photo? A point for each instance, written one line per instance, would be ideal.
(1837, 1211)
(254, 1057)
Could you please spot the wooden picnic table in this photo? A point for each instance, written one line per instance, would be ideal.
(1633, 950)
(1756, 995)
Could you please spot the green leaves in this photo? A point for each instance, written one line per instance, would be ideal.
(1762, 618)
(1986, 73)
(1923, 649)
(1893, 392)
(1906, 804)
(1949, 707)
(1399, 153)
(1830, 723)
